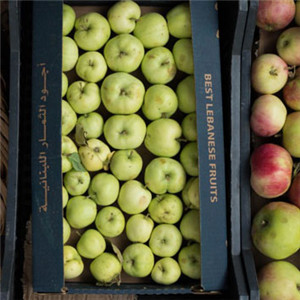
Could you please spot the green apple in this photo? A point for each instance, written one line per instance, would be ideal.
(190, 193)
(69, 54)
(183, 55)
(91, 66)
(189, 127)
(162, 137)
(138, 260)
(81, 212)
(73, 264)
(64, 84)
(139, 228)
(92, 124)
(66, 231)
(84, 97)
(94, 155)
(179, 21)
(297, 13)
(92, 31)
(160, 102)
(69, 17)
(291, 134)
(166, 208)
(189, 259)
(68, 118)
(166, 271)
(110, 221)
(122, 93)
(126, 164)
(164, 175)
(186, 95)
(134, 197)
(125, 131)
(76, 182)
(124, 53)
(65, 197)
(104, 189)
(276, 230)
(67, 148)
(189, 158)
(91, 244)
(190, 225)
(158, 66)
(122, 16)
(152, 30)
(165, 240)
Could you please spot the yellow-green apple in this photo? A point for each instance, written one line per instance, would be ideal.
(291, 134)
(164, 175)
(268, 115)
(160, 102)
(91, 244)
(76, 182)
(125, 131)
(294, 191)
(271, 170)
(126, 164)
(92, 124)
(65, 197)
(69, 54)
(189, 127)
(291, 93)
(139, 228)
(92, 31)
(269, 73)
(186, 95)
(179, 21)
(66, 231)
(158, 66)
(190, 225)
(68, 20)
(189, 259)
(166, 271)
(276, 229)
(183, 55)
(73, 264)
(110, 221)
(84, 97)
(190, 193)
(134, 197)
(68, 118)
(81, 212)
(166, 208)
(297, 13)
(122, 93)
(64, 84)
(124, 53)
(67, 148)
(189, 158)
(162, 137)
(138, 260)
(165, 240)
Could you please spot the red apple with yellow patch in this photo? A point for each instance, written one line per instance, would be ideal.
(291, 93)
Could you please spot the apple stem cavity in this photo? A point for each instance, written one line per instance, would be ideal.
(273, 71)
(124, 132)
(166, 62)
(122, 53)
(298, 287)
(91, 63)
(264, 223)
(123, 92)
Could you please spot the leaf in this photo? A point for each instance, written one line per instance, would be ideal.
(76, 162)
(80, 135)
(117, 252)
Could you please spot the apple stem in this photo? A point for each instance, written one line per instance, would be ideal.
(181, 140)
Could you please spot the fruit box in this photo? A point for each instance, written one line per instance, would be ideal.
(47, 181)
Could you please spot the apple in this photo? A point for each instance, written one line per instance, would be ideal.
(91, 66)
(276, 229)
(294, 191)
(179, 21)
(190, 225)
(122, 16)
(65, 197)
(76, 182)
(268, 115)
(189, 259)
(134, 197)
(160, 102)
(189, 127)
(152, 30)
(122, 93)
(69, 54)
(138, 260)
(183, 55)
(124, 53)
(64, 84)
(186, 95)
(73, 264)
(273, 15)
(92, 124)
(84, 97)
(69, 17)
(66, 231)
(291, 134)
(125, 131)
(110, 221)
(165, 240)
(164, 175)
(81, 212)
(297, 72)
(92, 31)
(269, 73)
(94, 155)
(291, 93)
(158, 66)
(139, 228)
(190, 193)
(126, 164)
(106, 268)
(189, 158)
(271, 170)
(166, 271)
(67, 148)
(162, 137)
(166, 208)
(91, 244)
(288, 44)
(68, 118)
(297, 13)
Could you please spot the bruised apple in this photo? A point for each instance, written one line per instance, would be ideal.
(294, 191)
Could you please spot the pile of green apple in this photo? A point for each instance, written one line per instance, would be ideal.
(129, 144)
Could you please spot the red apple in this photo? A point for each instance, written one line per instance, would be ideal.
(273, 15)
(294, 191)
(268, 115)
(291, 93)
(271, 170)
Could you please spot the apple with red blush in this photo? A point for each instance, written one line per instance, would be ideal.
(294, 191)
(291, 93)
